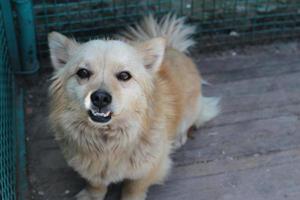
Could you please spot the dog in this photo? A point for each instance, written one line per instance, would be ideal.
(120, 107)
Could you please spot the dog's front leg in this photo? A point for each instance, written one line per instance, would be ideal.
(92, 192)
(137, 189)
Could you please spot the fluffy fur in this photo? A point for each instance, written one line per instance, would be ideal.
(173, 29)
(152, 112)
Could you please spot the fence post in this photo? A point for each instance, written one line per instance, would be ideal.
(10, 35)
(27, 38)
(22, 188)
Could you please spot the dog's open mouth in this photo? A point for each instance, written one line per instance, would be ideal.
(101, 116)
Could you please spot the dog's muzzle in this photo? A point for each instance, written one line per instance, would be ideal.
(100, 110)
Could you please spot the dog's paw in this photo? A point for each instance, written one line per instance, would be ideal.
(180, 140)
(83, 195)
(86, 195)
(134, 197)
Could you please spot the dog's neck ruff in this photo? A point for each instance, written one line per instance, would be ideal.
(90, 138)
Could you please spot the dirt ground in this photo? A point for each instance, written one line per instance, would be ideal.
(251, 151)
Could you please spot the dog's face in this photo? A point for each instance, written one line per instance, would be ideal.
(105, 80)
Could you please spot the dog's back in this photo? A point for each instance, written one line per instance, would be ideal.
(179, 78)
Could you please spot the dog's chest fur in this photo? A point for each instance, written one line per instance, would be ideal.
(103, 159)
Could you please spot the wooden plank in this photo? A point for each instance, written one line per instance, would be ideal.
(262, 70)
(229, 118)
(220, 166)
(258, 101)
(272, 177)
(240, 139)
(287, 82)
(258, 98)
(217, 64)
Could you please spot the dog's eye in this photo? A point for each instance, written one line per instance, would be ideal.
(83, 73)
(123, 76)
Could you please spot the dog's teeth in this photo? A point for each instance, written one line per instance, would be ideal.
(101, 114)
(106, 114)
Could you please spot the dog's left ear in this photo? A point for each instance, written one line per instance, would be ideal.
(61, 49)
(153, 53)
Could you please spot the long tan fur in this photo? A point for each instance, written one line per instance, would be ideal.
(152, 112)
(176, 32)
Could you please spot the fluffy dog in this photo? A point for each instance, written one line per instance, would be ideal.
(119, 107)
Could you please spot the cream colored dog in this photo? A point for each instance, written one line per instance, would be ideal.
(119, 107)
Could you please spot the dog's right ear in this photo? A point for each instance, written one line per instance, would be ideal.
(61, 48)
(152, 52)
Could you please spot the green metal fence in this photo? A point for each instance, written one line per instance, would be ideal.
(90, 18)
(12, 143)
(7, 131)
(221, 23)
(227, 23)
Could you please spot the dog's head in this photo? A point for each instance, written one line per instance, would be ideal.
(105, 80)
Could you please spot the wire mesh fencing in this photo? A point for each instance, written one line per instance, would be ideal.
(8, 152)
(90, 18)
(235, 22)
(221, 23)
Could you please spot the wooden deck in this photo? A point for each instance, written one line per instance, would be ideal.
(249, 152)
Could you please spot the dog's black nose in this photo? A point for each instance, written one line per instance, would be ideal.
(101, 98)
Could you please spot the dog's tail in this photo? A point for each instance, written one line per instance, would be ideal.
(209, 108)
(173, 29)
